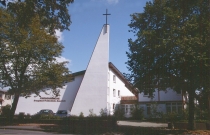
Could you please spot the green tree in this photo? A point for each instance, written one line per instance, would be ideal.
(28, 58)
(171, 48)
(53, 14)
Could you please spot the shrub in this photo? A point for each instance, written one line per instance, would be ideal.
(21, 116)
(92, 114)
(172, 117)
(185, 114)
(103, 112)
(6, 111)
(81, 115)
(119, 113)
(44, 117)
(137, 113)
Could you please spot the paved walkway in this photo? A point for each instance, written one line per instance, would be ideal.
(141, 124)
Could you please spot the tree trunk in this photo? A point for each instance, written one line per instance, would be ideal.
(14, 106)
(208, 105)
(191, 125)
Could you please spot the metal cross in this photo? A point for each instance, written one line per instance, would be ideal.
(106, 15)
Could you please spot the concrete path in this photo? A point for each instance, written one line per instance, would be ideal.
(141, 124)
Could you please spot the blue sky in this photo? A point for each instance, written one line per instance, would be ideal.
(87, 21)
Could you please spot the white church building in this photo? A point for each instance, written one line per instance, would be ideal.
(100, 86)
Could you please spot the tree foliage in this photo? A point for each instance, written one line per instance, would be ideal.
(28, 56)
(53, 14)
(171, 48)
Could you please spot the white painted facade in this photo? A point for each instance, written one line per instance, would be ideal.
(164, 101)
(92, 92)
(93, 88)
(116, 88)
(5, 99)
(34, 103)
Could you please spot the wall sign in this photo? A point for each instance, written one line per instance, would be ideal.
(49, 99)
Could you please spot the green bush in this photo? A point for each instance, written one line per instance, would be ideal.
(137, 113)
(6, 111)
(81, 115)
(103, 112)
(21, 116)
(119, 113)
(172, 117)
(92, 114)
(44, 117)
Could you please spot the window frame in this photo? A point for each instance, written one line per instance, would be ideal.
(114, 78)
(114, 92)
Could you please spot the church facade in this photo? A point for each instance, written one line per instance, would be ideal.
(100, 86)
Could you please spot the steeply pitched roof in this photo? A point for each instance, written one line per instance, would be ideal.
(120, 75)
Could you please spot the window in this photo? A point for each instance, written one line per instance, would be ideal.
(126, 108)
(118, 93)
(7, 97)
(173, 107)
(0, 95)
(148, 109)
(146, 94)
(114, 78)
(114, 93)
(113, 106)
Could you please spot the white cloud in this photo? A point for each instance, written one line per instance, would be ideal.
(112, 1)
(59, 35)
(62, 59)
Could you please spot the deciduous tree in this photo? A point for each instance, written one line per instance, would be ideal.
(171, 47)
(28, 58)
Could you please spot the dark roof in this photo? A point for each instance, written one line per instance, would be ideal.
(78, 73)
(120, 75)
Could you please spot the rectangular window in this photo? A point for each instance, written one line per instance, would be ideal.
(114, 78)
(7, 97)
(114, 93)
(173, 107)
(148, 109)
(126, 108)
(118, 93)
(146, 94)
(113, 106)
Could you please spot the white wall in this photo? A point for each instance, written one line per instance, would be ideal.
(168, 95)
(6, 101)
(118, 85)
(92, 93)
(67, 94)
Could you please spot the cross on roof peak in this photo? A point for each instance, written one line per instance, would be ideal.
(106, 15)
